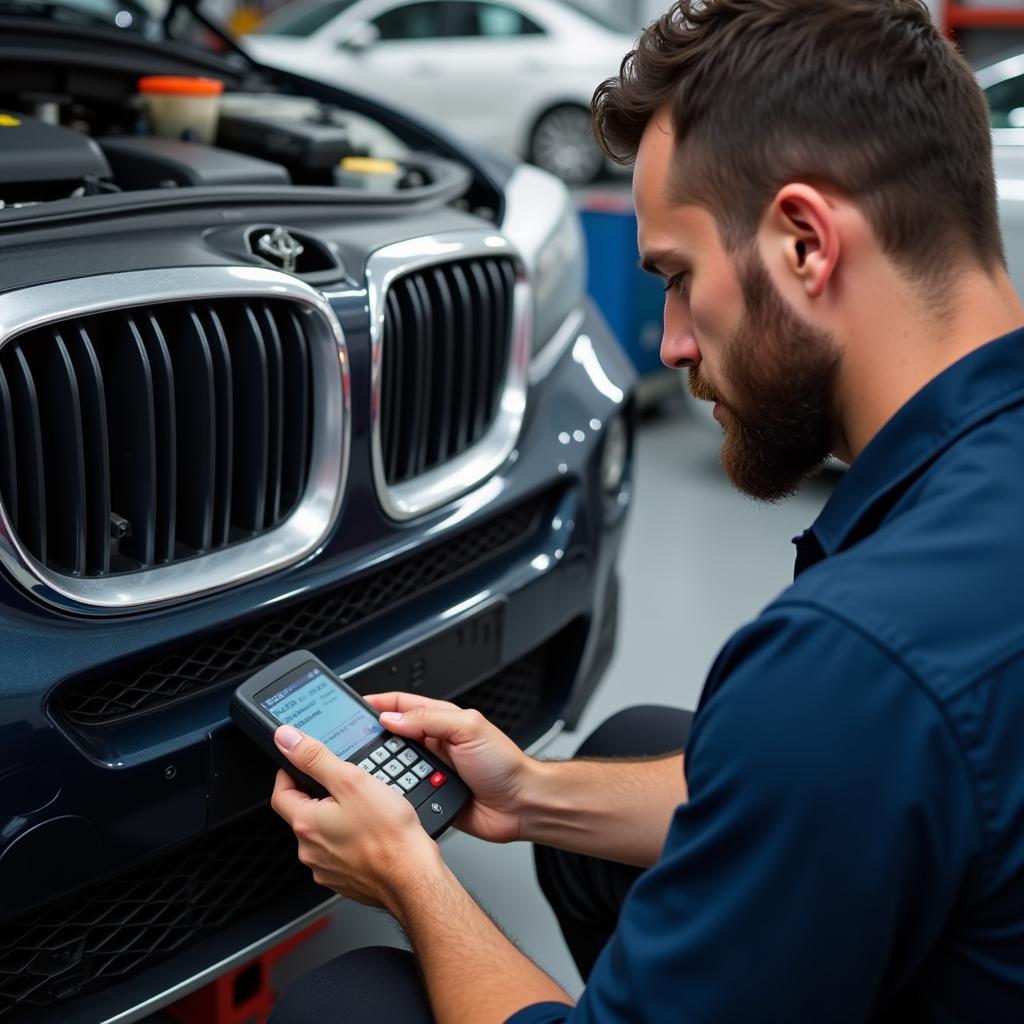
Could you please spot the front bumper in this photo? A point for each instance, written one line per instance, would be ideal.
(181, 841)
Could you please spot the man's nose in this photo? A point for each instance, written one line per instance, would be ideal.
(679, 351)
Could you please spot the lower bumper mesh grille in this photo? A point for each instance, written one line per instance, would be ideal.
(225, 656)
(100, 935)
(513, 698)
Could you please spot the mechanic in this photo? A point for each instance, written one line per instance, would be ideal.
(845, 843)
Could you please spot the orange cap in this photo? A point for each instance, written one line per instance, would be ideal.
(175, 85)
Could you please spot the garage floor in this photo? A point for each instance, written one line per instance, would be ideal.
(699, 560)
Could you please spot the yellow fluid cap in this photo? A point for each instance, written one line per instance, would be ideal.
(9, 121)
(368, 165)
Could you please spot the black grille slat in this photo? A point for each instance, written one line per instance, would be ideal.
(224, 393)
(394, 406)
(465, 346)
(8, 451)
(249, 370)
(63, 455)
(424, 315)
(275, 417)
(297, 411)
(503, 279)
(142, 437)
(31, 477)
(95, 443)
(414, 407)
(130, 419)
(447, 367)
(195, 396)
(165, 461)
(221, 658)
(484, 345)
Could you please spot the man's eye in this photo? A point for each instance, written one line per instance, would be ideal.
(679, 283)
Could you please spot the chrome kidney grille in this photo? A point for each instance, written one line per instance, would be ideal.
(141, 438)
(450, 327)
(447, 339)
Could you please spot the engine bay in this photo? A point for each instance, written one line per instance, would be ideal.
(75, 127)
(55, 147)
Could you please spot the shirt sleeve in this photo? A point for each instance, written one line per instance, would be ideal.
(542, 1013)
(830, 826)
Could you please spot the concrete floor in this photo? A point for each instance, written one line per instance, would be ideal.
(699, 560)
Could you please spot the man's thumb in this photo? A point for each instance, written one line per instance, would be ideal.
(309, 756)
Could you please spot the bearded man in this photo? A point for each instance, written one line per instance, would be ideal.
(844, 840)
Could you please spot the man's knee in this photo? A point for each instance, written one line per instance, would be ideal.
(646, 730)
(349, 988)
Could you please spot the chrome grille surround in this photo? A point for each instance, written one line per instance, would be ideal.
(26, 309)
(460, 474)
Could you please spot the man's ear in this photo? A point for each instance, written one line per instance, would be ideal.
(800, 235)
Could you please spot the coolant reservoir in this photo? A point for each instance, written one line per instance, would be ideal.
(181, 106)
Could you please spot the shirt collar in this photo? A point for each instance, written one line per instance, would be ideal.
(982, 383)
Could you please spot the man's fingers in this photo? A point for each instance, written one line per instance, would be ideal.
(312, 757)
(441, 722)
(287, 798)
(401, 701)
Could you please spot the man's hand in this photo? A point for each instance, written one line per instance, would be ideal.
(490, 764)
(364, 840)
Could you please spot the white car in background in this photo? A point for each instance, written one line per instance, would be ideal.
(1003, 82)
(514, 74)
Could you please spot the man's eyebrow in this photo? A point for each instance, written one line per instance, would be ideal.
(651, 260)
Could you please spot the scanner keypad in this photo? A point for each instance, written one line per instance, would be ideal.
(400, 766)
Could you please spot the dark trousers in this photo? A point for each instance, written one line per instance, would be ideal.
(584, 892)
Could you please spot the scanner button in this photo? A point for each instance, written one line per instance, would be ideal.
(394, 744)
(438, 779)
(380, 755)
(394, 769)
(436, 807)
(367, 765)
(408, 756)
(423, 769)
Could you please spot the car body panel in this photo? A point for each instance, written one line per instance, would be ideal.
(492, 90)
(519, 568)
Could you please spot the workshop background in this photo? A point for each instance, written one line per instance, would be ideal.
(699, 559)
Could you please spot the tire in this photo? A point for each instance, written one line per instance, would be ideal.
(563, 144)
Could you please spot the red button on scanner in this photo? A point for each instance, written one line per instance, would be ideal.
(438, 779)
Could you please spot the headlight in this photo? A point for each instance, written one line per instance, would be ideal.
(542, 223)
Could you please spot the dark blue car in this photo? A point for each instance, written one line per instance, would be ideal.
(249, 404)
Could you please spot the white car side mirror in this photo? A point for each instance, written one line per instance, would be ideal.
(360, 38)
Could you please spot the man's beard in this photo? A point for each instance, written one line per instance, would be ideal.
(782, 372)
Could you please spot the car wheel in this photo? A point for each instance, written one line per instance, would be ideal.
(563, 144)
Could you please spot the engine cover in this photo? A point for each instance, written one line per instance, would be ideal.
(32, 151)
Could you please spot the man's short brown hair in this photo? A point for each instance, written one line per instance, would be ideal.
(861, 96)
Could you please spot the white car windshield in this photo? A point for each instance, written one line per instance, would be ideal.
(302, 19)
(606, 19)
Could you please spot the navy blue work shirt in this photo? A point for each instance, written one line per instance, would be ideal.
(853, 845)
